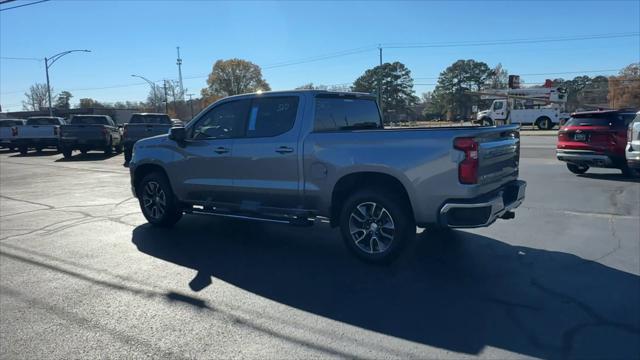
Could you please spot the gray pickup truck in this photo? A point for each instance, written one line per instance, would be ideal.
(90, 132)
(292, 157)
(142, 126)
(38, 132)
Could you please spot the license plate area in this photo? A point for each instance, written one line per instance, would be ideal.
(580, 137)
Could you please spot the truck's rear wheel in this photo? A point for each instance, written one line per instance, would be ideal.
(157, 202)
(487, 121)
(127, 154)
(376, 225)
(544, 123)
(577, 169)
(109, 148)
(24, 150)
(66, 152)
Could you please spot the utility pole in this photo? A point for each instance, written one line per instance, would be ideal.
(191, 103)
(46, 66)
(380, 82)
(166, 99)
(173, 92)
(179, 63)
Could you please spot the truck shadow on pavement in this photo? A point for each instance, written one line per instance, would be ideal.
(96, 156)
(610, 176)
(457, 291)
(33, 153)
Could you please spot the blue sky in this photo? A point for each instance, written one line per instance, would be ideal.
(139, 37)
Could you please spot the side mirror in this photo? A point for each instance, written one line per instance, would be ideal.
(178, 134)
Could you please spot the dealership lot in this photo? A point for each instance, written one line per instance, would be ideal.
(82, 275)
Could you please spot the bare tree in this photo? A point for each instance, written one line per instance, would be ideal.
(36, 97)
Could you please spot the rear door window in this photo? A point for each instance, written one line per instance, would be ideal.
(339, 113)
(272, 116)
(590, 121)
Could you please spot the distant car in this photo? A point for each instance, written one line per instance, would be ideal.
(90, 132)
(177, 122)
(38, 132)
(594, 139)
(142, 126)
(7, 132)
(632, 151)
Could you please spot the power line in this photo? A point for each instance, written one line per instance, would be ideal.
(19, 58)
(19, 6)
(508, 41)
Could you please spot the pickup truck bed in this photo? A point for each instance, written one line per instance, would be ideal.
(7, 132)
(295, 156)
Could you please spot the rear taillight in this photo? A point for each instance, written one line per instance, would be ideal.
(467, 168)
(105, 132)
(56, 130)
(14, 131)
(124, 132)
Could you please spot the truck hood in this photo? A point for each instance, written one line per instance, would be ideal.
(152, 141)
(482, 113)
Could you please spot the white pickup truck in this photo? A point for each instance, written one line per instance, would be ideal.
(7, 130)
(39, 132)
(519, 112)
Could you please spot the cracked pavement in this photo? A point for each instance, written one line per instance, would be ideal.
(81, 275)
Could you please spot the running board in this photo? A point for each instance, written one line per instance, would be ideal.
(289, 221)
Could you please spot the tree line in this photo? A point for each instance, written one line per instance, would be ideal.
(451, 97)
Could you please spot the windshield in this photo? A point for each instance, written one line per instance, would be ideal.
(150, 119)
(89, 120)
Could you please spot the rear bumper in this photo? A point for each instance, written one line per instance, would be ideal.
(632, 154)
(484, 210)
(83, 143)
(584, 157)
(43, 142)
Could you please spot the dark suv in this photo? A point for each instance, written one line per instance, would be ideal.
(594, 139)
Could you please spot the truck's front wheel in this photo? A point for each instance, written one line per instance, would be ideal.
(486, 121)
(544, 123)
(376, 225)
(157, 202)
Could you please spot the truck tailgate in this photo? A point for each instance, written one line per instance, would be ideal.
(498, 154)
(84, 132)
(133, 132)
(37, 131)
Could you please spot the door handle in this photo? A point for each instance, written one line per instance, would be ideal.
(284, 150)
(221, 150)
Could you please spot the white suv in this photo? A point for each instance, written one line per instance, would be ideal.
(632, 152)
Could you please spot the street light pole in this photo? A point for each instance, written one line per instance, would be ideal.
(191, 104)
(153, 87)
(47, 64)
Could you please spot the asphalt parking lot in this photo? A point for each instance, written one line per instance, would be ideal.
(82, 275)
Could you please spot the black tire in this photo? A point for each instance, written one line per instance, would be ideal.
(24, 150)
(544, 123)
(630, 172)
(151, 190)
(127, 154)
(370, 248)
(577, 169)
(38, 149)
(487, 121)
(118, 148)
(66, 152)
(84, 151)
(108, 150)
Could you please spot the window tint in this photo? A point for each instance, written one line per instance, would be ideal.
(272, 116)
(43, 121)
(150, 119)
(89, 120)
(336, 113)
(223, 121)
